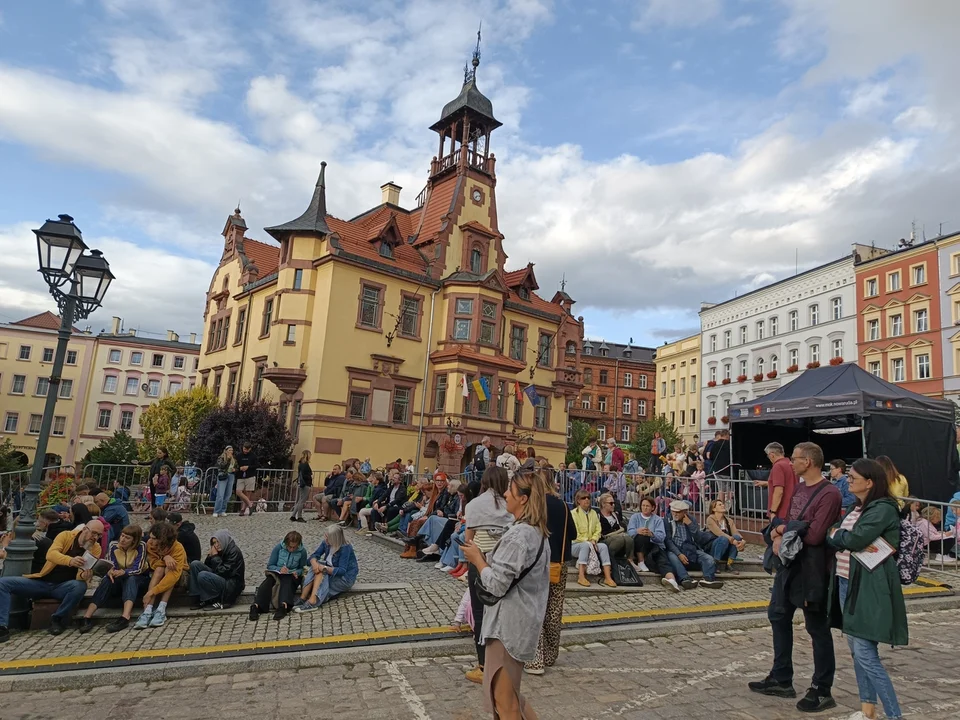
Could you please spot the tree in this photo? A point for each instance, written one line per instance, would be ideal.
(10, 458)
(119, 449)
(247, 420)
(644, 435)
(173, 421)
(580, 435)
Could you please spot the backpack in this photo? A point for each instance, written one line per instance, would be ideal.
(911, 553)
(478, 463)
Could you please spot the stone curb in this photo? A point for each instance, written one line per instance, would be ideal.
(177, 670)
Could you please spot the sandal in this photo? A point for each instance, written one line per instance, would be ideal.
(583, 583)
(608, 583)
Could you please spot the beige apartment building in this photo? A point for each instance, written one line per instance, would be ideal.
(26, 359)
(678, 385)
(130, 373)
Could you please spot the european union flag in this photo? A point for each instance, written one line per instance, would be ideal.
(531, 393)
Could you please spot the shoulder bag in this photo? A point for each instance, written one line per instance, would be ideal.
(488, 598)
(558, 569)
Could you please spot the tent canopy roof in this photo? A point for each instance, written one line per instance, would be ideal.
(835, 390)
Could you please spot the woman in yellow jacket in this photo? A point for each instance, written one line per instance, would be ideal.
(588, 534)
(168, 561)
(899, 488)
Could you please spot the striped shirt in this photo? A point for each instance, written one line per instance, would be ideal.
(843, 557)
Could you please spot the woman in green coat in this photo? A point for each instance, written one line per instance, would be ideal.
(868, 604)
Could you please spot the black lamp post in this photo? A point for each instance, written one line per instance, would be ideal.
(78, 281)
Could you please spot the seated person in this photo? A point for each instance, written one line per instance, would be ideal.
(647, 530)
(649, 485)
(439, 526)
(114, 513)
(284, 572)
(727, 540)
(218, 581)
(157, 515)
(128, 578)
(186, 536)
(683, 543)
(385, 511)
(452, 560)
(332, 490)
(143, 500)
(354, 493)
(571, 480)
(54, 523)
(378, 498)
(613, 531)
(62, 578)
(588, 536)
(122, 494)
(333, 570)
(168, 562)
(939, 542)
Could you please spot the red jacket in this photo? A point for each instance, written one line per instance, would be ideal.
(782, 475)
(616, 459)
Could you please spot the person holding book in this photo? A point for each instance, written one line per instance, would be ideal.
(866, 600)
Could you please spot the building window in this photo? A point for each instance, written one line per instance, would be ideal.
(838, 348)
(571, 348)
(642, 408)
(291, 334)
(47, 355)
(585, 401)
(628, 380)
(814, 353)
(295, 425)
(258, 382)
(760, 369)
(743, 367)
(401, 406)
(178, 362)
(920, 321)
(673, 418)
(440, 394)
(66, 389)
(43, 387)
(794, 318)
(114, 356)
(683, 417)
(683, 386)
(727, 371)
(693, 416)
(10, 422)
(643, 382)
(103, 419)
(544, 352)
(870, 287)
(35, 422)
(410, 316)
(602, 403)
(174, 388)
(712, 408)
(759, 333)
(794, 358)
(59, 425)
(625, 433)
(836, 306)
(893, 281)
(298, 278)
(541, 413)
(517, 342)
(523, 293)
(267, 318)
(726, 338)
(896, 325)
(923, 367)
(814, 314)
(774, 363)
(483, 406)
(19, 383)
(918, 274)
(663, 389)
(126, 420)
(71, 357)
(693, 382)
(476, 261)
(501, 398)
(153, 387)
(604, 374)
(743, 334)
(282, 412)
(386, 250)
(231, 386)
(131, 388)
(358, 406)
(110, 384)
(517, 412)
(774, 326)
(627, 406)
(713, 343)
(897, 370)
(157, 361)
(587, 350)
(712, 373)
(463, 326)
(136, 358)
(874, 367)
(673, 388)
(241, 324)
(873, 329)
(602, 433)
(588, 376)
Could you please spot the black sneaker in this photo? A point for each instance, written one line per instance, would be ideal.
(121, 623)
(86, 625)
(4, 634)
(711, 584)
(816, 700)
(279, 615)
(769, 686)
(56, 626)
(254, 613)
(198, 605)
(688, 584)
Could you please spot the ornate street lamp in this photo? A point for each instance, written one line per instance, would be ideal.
(78, 281)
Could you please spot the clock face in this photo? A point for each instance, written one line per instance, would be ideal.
(477, 195)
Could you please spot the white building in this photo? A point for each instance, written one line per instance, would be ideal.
(774, 333)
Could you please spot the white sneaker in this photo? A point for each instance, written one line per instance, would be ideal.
(858, 715)
(431, 550)
(447, 568)
(439, 566)
(643, 567)
(670, 584)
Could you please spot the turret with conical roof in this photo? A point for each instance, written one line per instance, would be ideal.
(314, 218)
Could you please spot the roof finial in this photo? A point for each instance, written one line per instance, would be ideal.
(237, 211)
(476, 53)
(563, 282)
(321, 183)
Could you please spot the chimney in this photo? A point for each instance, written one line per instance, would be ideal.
(132, 331)
(193, 338)
(172, 336)
(115, 328)
(391, 193)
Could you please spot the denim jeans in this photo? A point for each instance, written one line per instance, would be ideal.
(722, 549)
(404, 523)
(703, 562)
(128, 588)
(452, 555)
(69, 593)
(205, 583)
(330, 587)
(582, 552)
(872, 677)
(224, 493)
(432, 529)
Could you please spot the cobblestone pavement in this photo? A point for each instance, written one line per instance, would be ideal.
(687, 676)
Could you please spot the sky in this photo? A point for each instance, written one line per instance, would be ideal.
(655, 154)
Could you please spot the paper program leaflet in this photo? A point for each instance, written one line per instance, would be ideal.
(870, 560)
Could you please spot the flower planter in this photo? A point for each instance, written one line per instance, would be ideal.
(711, 421)
(812, 365)
(758, 377)
(793, 368)
(725, 419)
(836, 361)
(712, 383)
(772, 374)
(726, 381)
(741, 378)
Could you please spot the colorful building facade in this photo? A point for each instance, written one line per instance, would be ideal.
(948, 251)
(678, 385)
(369, 333)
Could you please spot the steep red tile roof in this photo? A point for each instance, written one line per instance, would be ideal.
(439, 204)
(265, 257)
(355, 239)
(514, 277)
(536, 303)
(45, 321)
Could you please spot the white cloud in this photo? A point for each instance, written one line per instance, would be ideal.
(674, 13)
(678, 65)
(867, 99)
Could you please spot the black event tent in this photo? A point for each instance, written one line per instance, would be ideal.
(917, 432)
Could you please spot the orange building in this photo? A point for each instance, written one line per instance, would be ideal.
(898, 308)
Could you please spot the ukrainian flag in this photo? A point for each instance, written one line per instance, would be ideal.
(479, 390)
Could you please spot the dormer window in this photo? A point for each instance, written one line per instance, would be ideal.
(571, 348)
(386, 250)
(587, 350)
(476, 261)
(603, 352)
(524, 293)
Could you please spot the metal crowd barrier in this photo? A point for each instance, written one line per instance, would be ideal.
(12, 483)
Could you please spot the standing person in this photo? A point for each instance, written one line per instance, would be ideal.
(517, 571)
(867, 605)
(487, 519)
(721, 454)
(246, 478)
(839, 479)
(781, 483)
(508, 460)
(708, 452)
(226, 472)
(804, 584)
(218, 581)
(482, 459)
(592, 456)
(658, 446)
(161, 460)
(562, 530)
(530, 462)
(899, 487)
(616, 455)
(304, 483)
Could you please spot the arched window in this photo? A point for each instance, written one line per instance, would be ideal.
(773, 362)
(760, 365)
(385, 250)
(476, 261)
(226, 283)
